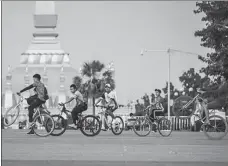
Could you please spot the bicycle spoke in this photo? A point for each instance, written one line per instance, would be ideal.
(43, 125)
(217, 128)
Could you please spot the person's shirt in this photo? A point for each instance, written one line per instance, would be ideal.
(110, 97)
(78, 97)
(158, 102)
(40, 89)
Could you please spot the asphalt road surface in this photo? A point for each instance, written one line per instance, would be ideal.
(106, 149)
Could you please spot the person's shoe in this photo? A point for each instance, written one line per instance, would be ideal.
(73, 126)
(31, 132)
(30, 125)
(104, 129)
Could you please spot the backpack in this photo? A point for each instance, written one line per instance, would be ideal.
(85, 101)
(46, 97)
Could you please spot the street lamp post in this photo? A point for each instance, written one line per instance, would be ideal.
(168, 51)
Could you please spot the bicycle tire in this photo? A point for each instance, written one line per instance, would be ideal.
(64, 124)
(84, 121)
(6, 115)
(113, 130)
(49, 119)
(138, 122)
(160, 122)
(179, 112)
(206, 130)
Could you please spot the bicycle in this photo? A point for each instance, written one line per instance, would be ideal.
(161, 124)
(116, 124)
(89, 122)
(185, 106)
(42, 121)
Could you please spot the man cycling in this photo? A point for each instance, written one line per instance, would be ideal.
(80, 106)
(157, 103)
(222, 92)
(110, 101)
(39, 98)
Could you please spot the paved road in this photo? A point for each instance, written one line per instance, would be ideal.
(73, 148)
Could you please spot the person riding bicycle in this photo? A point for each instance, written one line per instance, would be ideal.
(222, 92)
(35, 101)
(156, 104)
(109, 101)
(80, 106)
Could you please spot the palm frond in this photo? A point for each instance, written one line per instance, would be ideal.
(86, 69)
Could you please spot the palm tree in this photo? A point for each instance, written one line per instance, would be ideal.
(91, 69)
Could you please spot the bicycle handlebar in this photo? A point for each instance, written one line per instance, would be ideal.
(101, 106)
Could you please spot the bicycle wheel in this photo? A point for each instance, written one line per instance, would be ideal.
(183, 107)
(142, 127)
(60, 125)
(117, 125)
(11, 115)
(217, 129)
(43, 125)
(90, 126)
(164, 127)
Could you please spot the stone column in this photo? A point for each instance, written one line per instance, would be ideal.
(26, 94)
(62, 94)
(45, 81)
(9, 96)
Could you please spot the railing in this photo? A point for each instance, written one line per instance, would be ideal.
(177, 124)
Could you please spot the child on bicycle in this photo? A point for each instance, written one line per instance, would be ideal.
(156, 104)
(36, 100)
(80, 106)
(109, 101)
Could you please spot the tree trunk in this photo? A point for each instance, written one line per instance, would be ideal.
(93, 105)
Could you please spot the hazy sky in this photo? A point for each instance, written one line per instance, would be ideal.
(113, 31)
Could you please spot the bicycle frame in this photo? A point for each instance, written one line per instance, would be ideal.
(102, 113)
(202, 119)
(191, 101)
(68, 113)
(37, 110)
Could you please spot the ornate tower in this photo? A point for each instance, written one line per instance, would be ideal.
(62, 94)
(45, 47)
(45, 81)
(26, 81)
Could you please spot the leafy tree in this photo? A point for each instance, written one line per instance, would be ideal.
(191, 79)
(214, 36)
(172, 91)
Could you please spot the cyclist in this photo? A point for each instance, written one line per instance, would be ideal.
(110, 101)
(157, 103)
(36, 100)
(220, 101)
(80, 106)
